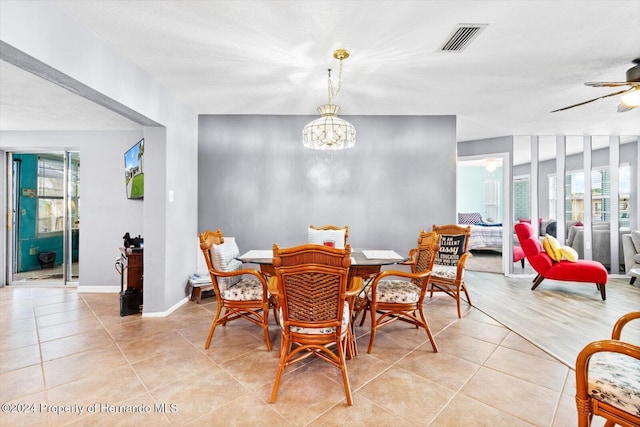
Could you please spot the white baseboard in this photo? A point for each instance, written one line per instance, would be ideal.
(168, 312)
(98, 289)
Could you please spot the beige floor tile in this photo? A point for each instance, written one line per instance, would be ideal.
(19, 339)
(86, 363)
(195, 395)
(12, 327)
(75, 344)
(148, 347)
(494, 334)
(246, 410)
(59, 307)
(26, 411)
(464, 411)
(396, 389)
(443, 369)
(243, 368)
(544, 372)
(567, 414)
(152, 362)
(471, 349)
(21, 382)
(110, 388)
(304, 394)
(516, 342)
(19, 358)
(67, 329)
(507, 393)
(363, 413)
(169, 367)
(140, 410)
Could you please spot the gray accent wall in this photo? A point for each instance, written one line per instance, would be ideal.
(259, 184)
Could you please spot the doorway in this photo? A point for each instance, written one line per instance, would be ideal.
(45, 218)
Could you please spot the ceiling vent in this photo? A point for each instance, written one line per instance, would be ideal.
(461, 36)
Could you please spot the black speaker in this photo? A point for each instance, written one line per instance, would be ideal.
(130, 302)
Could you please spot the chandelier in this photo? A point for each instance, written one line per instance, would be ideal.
(330, 132)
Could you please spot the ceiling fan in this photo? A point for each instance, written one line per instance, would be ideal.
(631, 95)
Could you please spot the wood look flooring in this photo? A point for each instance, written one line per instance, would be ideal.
(558, 317)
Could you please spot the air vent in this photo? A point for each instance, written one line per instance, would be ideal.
(462, 36)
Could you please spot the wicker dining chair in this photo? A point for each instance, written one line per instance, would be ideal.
(334, 233)
(402, 297)
(448, 270)
(242, 293)
(310, 286)
(608, 379)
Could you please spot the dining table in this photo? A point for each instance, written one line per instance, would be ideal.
(365, 263)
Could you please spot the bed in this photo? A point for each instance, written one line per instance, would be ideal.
(483, 235)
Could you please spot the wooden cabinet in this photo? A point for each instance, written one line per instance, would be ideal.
(134, 270)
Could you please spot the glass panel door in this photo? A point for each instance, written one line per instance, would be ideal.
(45, 217)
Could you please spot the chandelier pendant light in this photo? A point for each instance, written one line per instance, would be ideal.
(330, 132)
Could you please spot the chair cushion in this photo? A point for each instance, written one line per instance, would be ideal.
(569, 253)
(518, 253)
(346, 314)
(247, 289)
(615, 379)
(398, 291)
(224, 259)
(552, 247)
(446, 272)
(320, 236)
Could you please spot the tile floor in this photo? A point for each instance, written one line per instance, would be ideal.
(62, 352)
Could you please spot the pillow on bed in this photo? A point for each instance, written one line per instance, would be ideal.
(469, 218)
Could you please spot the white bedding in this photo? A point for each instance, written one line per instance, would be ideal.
(484, 237)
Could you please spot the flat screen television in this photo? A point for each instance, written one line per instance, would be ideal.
(134, 170)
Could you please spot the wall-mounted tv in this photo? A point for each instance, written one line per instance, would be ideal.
(134, 170)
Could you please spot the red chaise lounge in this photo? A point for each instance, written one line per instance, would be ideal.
(580, 271)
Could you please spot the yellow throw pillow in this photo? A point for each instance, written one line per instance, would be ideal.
(552, 247)
(569, 253)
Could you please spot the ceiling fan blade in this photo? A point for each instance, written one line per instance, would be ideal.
(611, 84)
(623, 107)
(595, 99)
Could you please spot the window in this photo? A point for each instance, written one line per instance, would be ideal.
(521, 206)
(552, 196)
(574, 196)
(600, 195)
(51, 194)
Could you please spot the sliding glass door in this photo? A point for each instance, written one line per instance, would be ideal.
(45, 219)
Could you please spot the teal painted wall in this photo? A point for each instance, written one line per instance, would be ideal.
(29, 243)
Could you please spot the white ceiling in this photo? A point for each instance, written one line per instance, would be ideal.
(271, 57)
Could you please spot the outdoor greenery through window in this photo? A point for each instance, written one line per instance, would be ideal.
(51, 194)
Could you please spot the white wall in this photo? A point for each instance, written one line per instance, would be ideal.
(105, 214)
(259, 184)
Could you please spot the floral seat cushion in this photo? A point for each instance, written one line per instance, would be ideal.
(247, 289)
(311, 331)
(615, 379)
(398, 291)
(444, 271)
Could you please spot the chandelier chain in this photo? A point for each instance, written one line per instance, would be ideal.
(334, 93)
